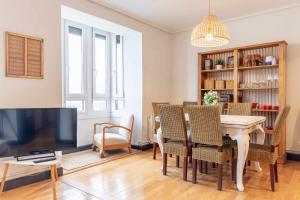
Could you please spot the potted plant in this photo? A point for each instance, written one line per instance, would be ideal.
(211, 98)
(219, 64)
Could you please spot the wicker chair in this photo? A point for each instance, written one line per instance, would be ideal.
(207, 139)
(156, 125)
(237, 109)
(188, 103)
(269, 152)
(174, 135)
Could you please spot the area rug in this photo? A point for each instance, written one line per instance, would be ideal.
(83, 159)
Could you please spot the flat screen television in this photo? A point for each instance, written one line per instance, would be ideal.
(33, 129)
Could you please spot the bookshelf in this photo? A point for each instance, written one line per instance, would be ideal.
(254, 79)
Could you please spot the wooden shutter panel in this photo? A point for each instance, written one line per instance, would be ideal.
(24, 56)
(16, 55)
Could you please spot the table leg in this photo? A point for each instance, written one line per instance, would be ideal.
(4, 177)
(259, 140)
(55, 172)
(242, 138)
(53, 180)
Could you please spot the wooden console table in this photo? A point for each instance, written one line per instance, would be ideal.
(52, 165)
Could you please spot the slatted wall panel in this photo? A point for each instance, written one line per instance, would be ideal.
(24, 56)
(34, 58)
(15, 55)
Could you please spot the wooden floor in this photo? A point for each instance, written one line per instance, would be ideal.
(139, 177)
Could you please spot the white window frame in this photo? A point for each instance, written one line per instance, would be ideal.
(107, 95)
(88, 75)
(69, 96)
(114, 96)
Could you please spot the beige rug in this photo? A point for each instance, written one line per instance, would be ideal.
(83, 159)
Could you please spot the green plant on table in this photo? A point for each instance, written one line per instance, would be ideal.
(211, 98)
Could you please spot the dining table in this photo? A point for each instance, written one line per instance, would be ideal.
(237, 128)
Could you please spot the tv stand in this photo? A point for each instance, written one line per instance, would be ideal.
(52, 164)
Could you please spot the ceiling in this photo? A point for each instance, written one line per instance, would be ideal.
(177, 15)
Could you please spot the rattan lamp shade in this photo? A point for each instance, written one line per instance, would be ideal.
(210, 33)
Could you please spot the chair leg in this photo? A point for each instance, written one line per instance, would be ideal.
(154, 150)
(276, 172)
(272, 177)
(165, 159)
(177, 161)
(185, 163)
(200, 166)
(220, 175)
(206, 167)
(101, 154)
(194, 163)
(234, 168)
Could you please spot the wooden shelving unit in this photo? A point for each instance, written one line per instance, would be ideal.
(273, 75)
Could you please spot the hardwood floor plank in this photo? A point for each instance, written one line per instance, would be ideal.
(140, 177)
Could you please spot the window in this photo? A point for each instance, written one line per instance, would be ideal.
(94, 70)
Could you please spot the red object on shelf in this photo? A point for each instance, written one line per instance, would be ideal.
(275, 107)
(269, 127)
(254, 105)
(269, 107)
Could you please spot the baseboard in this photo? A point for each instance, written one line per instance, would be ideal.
(293, 156)
(26, 180)
(143, 147)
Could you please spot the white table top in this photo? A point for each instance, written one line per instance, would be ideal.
(13, 161)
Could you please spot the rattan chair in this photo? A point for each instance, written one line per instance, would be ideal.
(269, 152)
(174, 134)
(237, 109)
(188, 103)
(207, 139)
(156, 125)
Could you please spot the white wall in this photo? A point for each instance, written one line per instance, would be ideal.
(42, 19)
(279, 25)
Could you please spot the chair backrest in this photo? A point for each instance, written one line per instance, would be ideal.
(205, 125)
(239, 109)
(221, 107)
(127, 121)
(279, 123)
(172, 122)
(188, 103)
(155, 108)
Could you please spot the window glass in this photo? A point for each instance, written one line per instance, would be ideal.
(100, 64)
(75, 60)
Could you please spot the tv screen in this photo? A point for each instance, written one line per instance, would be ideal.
(27, 130)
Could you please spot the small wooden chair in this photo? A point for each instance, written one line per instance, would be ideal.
(108, 140)
(207, 139)
(156, 125)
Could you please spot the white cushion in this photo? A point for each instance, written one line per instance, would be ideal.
(126, 122)
(110, 138)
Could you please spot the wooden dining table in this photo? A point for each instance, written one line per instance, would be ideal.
(238, 128)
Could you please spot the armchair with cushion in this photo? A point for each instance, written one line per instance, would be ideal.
(106, 139)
